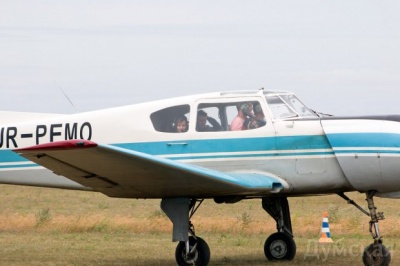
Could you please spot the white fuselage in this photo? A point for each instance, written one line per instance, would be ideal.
(311, 156)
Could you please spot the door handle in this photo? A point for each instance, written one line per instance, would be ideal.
(177, 143)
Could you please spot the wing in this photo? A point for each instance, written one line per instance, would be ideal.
(118, 172)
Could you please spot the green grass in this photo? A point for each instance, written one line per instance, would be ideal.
(41, 226)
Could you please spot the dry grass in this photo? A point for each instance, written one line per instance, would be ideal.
(57, 227)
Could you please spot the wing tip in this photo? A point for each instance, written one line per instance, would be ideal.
(60, 145)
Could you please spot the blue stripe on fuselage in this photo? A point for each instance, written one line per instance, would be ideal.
(386, 140)
(365, 143)
(10, 159)
(231, 145)
(7, 156)
(252, 147)
(25, 165)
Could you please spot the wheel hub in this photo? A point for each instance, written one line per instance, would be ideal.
(278, 249)
(191, 258)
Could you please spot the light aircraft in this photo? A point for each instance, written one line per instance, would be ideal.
(282, 149)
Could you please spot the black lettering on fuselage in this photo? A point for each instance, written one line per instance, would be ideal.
(46, 133)
(86, 134)
(11, 134)
(1, 137)
(53, 132)
(41, 131)
(71, 133)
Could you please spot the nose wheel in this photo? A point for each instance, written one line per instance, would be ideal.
(375, 254)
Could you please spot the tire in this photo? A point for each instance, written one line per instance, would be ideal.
(200, 257)
(280, 246)
(376, 255)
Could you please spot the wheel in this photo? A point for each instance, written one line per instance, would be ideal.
(200, 255)
(280, 246)
(376, 254)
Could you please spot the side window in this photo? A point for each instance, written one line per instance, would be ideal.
(173, 119)
(208, 118)
(229, 116)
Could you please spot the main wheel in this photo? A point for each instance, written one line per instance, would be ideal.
(280, 246)
(376, 255)
(200, 256)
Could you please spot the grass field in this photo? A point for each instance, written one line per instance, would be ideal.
(40, 226)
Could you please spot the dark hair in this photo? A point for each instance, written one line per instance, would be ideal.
(257, 109)
(243, 106)
(180, 118)
(201, 113)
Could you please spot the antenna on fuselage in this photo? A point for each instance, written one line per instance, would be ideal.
(66, 96)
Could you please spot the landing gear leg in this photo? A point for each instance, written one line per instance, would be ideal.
(375, 253)
(191, 249)
(280, 245)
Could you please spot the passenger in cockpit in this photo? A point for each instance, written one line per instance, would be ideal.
(202, 119)
(244, 109)
(181, 124)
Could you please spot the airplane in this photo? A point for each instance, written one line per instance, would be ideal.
(188, 149)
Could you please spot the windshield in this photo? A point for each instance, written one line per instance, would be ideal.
(288, 106)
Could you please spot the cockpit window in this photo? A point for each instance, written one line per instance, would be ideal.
(288, 106)
(229, 116)
(279, 108)
(173, 119)
(298, 106)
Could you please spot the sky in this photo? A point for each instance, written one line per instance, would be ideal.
(339, 57)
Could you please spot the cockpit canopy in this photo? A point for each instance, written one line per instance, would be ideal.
(228, 111)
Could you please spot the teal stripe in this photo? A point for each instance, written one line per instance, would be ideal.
(307, 142)
(302, 142)
(387, 140)
(154, 148)
(233, 145)
(18, 166)
(357, 151)
(230, 145)
(248, 145)
(367, 151)
(226, 156)
(7, 156)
